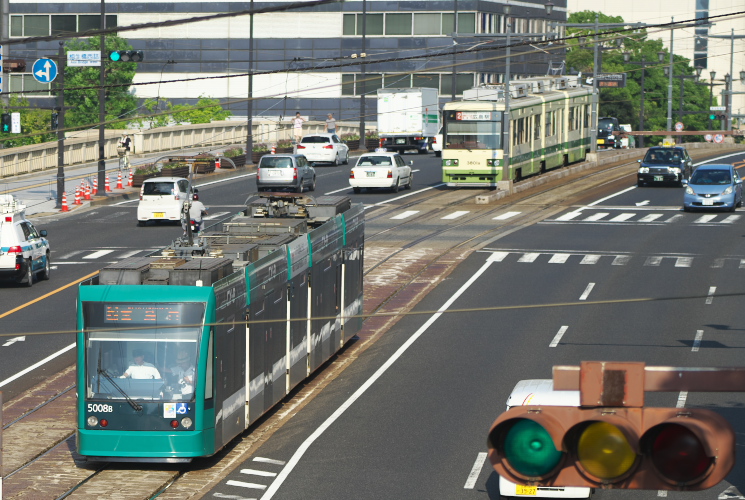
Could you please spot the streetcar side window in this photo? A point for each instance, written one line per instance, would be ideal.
(208, 374)
(537, 127)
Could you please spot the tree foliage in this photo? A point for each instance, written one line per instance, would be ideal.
(205, 111)
(625, 103)
(35, 124)
(83, 105)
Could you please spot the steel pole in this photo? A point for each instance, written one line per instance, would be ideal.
(250, 107)
(729, 87)
(362, 144)
(670, 82)
(711, 101)
(595, 96)
(506, 119)
(455, 46)
(641, 114)
(102, 107)
(61, 127)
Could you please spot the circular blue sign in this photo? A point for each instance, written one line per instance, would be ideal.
(44, 70)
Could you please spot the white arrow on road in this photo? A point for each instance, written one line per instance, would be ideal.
(46, 71)
(14, 340)
(642, 203)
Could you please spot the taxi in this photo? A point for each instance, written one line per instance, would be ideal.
(24, 251)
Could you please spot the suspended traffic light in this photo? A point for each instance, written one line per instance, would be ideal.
(126, 56)
(614, 447)
(55, 121)
(6, 122)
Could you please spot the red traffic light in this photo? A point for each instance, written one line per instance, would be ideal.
(612, 447)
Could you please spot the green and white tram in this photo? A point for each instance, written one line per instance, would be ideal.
(549, 122)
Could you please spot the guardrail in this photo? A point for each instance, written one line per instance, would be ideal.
(82, 147)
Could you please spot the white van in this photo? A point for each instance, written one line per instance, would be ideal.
(541, 392)
(24, 251)
(162, 199)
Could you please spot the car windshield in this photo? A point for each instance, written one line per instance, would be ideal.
(315, 139)
(370, 161)
(277, 162)
(662, 156)
(702, 176)
(158, 188)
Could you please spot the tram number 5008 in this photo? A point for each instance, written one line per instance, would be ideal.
(100, 408)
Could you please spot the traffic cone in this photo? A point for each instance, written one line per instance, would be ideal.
(131, 181)
(87, 192)
(274, 149)
(95, 187)
(65, 208)
(107, 186)
(77, 197)
(217, 163)
(119, 184)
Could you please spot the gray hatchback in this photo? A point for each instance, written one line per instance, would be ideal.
(285, 171)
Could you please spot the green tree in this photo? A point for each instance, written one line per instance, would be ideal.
(205, 111)
(83, 105)
(36, 124)
(580, 56)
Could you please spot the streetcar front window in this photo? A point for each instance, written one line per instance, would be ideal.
(473, 135)
(142, 351)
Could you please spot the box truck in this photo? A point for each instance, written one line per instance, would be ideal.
(408, 118)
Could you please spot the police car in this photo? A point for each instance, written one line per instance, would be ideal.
(24, 251)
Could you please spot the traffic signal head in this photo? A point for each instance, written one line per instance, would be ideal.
(55, 121)
(6, 122)
(618, 447)
(126, 56)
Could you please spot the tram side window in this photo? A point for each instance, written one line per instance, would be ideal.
(571, 119)
(548, 123)
(537, 127)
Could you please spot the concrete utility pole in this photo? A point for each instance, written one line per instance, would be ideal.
(102, 107)
(61, 127)
(249, 132)
(595, 93)
(506, 123)
(670, 83)
(363, 93)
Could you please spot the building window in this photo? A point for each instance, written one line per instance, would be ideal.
(39, 25)
(374, 24)
(462, 82)
(419, 24)
(353, 84)
(348, 25)
(35, 25)
(27, 83)
(398, 24)
(64, 24)
(425, 80)
(347, 84)
(397, 81)
(427, 24)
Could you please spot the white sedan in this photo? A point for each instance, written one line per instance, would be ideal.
(324, 148)
(381, 170)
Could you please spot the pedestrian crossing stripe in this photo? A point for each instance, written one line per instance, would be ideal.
(655, 218)
(589, 258)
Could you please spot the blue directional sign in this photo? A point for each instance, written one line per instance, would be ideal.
(44, 70)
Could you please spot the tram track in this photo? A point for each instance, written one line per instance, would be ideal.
(72, 477)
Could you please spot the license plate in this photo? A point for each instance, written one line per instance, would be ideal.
(274, 173)
(658, 178)
(707, 203)
(400, 141)
(526, 490)
(159, 215)
(370, 174)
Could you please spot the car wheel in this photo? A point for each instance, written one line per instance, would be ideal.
(639, 184)
(411, 179)
(141, 223)
(346, 158)
(312, 185)
(300, 188)
(29, 280)
(337, 162)
(356, 190)
(686, 209)
(438, 154)
(47, 268)
(396, 186)
(732, 208)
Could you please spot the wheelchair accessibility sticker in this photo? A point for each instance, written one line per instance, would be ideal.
(170, 410)
(182, 408)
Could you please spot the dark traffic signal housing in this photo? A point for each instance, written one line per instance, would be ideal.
(6, 123)
(612, 447)
(126, 56)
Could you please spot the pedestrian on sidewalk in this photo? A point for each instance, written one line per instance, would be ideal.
(330, 124)
(297, 127)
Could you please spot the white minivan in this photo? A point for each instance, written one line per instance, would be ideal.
(541, 392)
(162, 199)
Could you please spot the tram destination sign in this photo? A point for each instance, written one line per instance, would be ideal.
(474, 115)
(611, 80)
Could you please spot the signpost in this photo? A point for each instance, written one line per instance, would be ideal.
(611, 80)
(15, 123)
(717, 108)
(708, 137)
(719, 138)
(84, 58)
(44, 70)
(679, 126)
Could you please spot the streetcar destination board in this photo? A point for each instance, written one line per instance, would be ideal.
(473, 115)
(144, 313)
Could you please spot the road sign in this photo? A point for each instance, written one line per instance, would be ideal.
(717, 108)
(708, 137)
(84, 58)
(719, 138)
(679, 126)
(44, 70)
(612, 80)
(15, 123)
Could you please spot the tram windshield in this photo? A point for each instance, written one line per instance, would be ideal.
(473, 135)
(142, 351)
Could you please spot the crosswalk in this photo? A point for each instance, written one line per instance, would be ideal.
(589, 258)
(115, 254)
(253, 481)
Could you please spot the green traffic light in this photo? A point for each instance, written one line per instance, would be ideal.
(115, 56)
(529, 449)
(712, 117)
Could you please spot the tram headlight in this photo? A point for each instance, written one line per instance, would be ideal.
(92, 421)
(186, 422)
(492, 163)
(450, 163)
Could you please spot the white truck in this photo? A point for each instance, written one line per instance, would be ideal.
(408, 118)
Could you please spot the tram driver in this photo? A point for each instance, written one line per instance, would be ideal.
(183, 373)
(140, 369)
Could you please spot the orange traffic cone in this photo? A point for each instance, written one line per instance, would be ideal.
(217, 163)
(95, 187)
(77, 197)
(119, 181)
(131, 181)
(107, 186)
(274, 149)
(87, 192)
(65, 208)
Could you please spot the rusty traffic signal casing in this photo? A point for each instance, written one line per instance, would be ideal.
(612, 447)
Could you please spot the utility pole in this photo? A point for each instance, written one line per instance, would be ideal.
(455, 46)
(250, 122)
(670, 82)
(61, 128)
(506, 120)
(101, 107)
(595, 93)
(362, 144)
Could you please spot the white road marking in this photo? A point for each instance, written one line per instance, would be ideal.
(96, 255)
(36, 365)
(642, 203)
(257, 472)
(14, 340)
(505, 216)
(697, 340)
(731, 493)
(499, 256)
(473, 476)
(742, 263)
(590, 259)
(710, 298)
(406, 214)
(269, 461)
(596, 216)
(682, 399)
(246, 485)
(569, 215)
(559, 258)
(215, 215)
(683, 261)
(662, 493)
(705, 218)
(557, 337)
(529, 257)
(455, 215)
(621, 260)
(587, 291)
(601, 200)
(673, 218)
(653, 261)
(305, 445)
(731, 218)
(622, 217)
(650, 217)
(718, 263)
